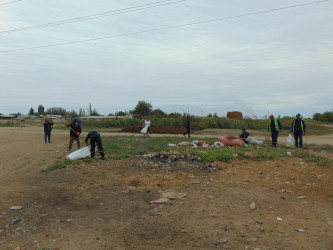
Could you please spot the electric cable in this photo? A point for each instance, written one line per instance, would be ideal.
(165, 28)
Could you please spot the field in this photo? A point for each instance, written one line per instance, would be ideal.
(94, 204)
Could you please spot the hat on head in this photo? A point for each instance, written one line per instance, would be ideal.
(298, 114)
(78, 121)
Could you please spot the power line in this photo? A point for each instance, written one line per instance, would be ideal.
(97, 15)
(11, 2)
(165, 28)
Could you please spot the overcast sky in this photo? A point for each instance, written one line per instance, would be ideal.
(277, 62)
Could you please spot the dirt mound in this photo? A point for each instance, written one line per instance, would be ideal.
(156, 130)
(235, 115)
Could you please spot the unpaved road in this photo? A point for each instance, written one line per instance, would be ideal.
(94, 205)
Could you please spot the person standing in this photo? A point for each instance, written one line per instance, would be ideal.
(275, 126)
(147, 124)
(74, 134)
(188, 126)
(95, 138)
(47, 129)
(298, 128)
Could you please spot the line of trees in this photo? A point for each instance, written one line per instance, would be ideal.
(324, 117)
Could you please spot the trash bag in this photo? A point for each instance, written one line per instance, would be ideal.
(250, 139)
(290, 142)
(79, 154)
(144, 130)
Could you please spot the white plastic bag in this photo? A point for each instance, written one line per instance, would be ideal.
(252, 140)
(144, 130)
(79, 154)
(290, 141)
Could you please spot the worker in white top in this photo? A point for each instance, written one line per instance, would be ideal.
(147, 124)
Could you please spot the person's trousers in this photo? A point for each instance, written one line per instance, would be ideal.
(274, 138)
(71, 140)
(96, 139)
(47, 136)
(298, 139)
(188, 132)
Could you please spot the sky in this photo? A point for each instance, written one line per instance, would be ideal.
(273, 62)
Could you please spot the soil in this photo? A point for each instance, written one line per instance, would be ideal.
(107, 204)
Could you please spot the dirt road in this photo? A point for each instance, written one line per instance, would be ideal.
(107, 204)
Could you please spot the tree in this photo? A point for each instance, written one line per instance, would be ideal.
(209, 115)
(317, 117)
(56, 111)
(159, 113)
(82, 112)
(40, 109)
(73, 113)
(143, 108)
(215, 115)
(92, 112)
(120, 113)
(31, 111)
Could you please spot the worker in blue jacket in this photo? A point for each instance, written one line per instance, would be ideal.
(95, 138)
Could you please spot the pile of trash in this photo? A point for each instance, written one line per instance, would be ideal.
(176, 162)
(226, 141)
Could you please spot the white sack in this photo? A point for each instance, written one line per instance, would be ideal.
(290, 142)
(144, 130)
(79, 154)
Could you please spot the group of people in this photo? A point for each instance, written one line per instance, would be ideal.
(298, 128)
(74, 135)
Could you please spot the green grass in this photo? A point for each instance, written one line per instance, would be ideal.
(9, 124)
(67, 162)
(122, 147)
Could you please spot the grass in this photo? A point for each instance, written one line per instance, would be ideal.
(122, 147)
(66, 162)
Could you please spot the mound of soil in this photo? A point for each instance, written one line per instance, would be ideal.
(156, 130)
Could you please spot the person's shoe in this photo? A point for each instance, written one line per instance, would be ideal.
(103, 158)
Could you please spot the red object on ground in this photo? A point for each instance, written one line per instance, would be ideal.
(232, 141)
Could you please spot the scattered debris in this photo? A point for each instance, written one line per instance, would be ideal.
(160, 200)
(16, 207)
(301, 197)
(279, 219)
(289, 153)
(299, 230)
(303, 163)
(253, 206)
(15, 221)
(170, 194)
(220, 242)
(131, 187)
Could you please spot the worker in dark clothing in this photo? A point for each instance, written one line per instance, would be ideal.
(74, 134)
(298, 128)
(95, 138)
(188, 127)
(275, 126)
(244, 135)
(48, 123)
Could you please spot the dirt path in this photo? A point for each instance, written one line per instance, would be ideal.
(106, 204)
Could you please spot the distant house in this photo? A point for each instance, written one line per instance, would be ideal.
(7, 117)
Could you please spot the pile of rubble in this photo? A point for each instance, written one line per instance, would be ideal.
(178, 161)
